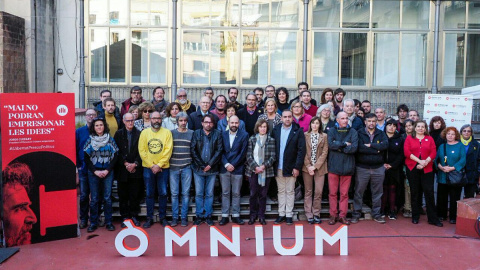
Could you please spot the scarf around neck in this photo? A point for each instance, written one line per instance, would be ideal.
(185, 106)
(466, 142)
(261, 140)
(99, 141)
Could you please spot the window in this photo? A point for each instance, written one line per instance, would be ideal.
(356, 13)
(386, 60)
(354, 59)
(326, 13)
(325, 58)
(386, 14)
(454, 55)
(413, 61)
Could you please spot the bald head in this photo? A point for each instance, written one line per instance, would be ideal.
(342, 119)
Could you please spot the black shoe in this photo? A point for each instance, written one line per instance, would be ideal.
(209, 221)
(280, 219)
(289, 220)
(224, 221)
(453, 221)
(262, 221)
(110, 227)
(148, 223)
(415, 221)
(198, 221)
(135, 221)
(311, 221)
(164, 222)
(83, 224)
(238, 221)
(91, 228)
(317, 220)
(184, 222)
(438, 223)
(251, 221)
(174, 222)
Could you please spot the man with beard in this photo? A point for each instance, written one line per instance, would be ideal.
(206, 149)
(259, 94)
(339, 96)
(114, 121)
(18, 217)
(99, 104)
(135, 99)
(232, 97)
(195, 119)
(220, 107)
(159, 101)
(269, 92)
(402, 113)
(302, 86)
(309, 108)
(155, 147)
(187, 105)
(234, 154)
(250, 113)
(367, 106)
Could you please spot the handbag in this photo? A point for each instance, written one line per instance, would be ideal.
(454, 178)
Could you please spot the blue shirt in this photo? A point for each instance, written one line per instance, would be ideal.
(81, 136)
(283, 143)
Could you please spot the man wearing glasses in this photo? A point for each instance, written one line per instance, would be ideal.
(206, 148)
(187, 105)
(135, 99)
(81, 136)
(195, 119)
(155, 147)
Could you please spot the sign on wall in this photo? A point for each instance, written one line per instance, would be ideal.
(38, 167)
(456, 110)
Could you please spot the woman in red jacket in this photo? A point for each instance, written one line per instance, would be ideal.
(420, 152)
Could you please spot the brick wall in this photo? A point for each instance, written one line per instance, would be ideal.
(12, 54)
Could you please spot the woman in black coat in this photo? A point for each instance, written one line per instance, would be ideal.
(393, 167)
(472, 168)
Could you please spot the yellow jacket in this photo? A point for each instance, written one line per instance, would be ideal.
(155, 147)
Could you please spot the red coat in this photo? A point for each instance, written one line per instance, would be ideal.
(424, 149)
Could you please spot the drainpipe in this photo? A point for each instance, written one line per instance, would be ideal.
(173, 91)
(81, 90)
(305, 32)
(435, 47)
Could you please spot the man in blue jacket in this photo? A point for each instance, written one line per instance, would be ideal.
(372, 143)
(235, 143)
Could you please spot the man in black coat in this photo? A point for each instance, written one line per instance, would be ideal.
(128, 170)
(250, 113)
(290, 149)
(195, 119)
(372, 143)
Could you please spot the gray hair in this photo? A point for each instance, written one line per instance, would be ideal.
(181, 115)
(383, 109)
(348, 100)
(466, 126)
(181, 90)
(126, 115)
(250, 93)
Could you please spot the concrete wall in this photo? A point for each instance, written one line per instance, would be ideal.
(45, 45)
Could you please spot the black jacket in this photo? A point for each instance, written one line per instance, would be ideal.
(249, 120)
(216, 150)
(101, 114)
(341, 158)
(394, 155)
(295, 149)
(195, 120)
(127, 155)
(472, 168)
(371, 157)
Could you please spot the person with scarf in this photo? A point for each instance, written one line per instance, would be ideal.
(187, 105)
(314, 169)
(261, 157)
(231, 110)
(145, 109)
(170, 121)
(101, 153)
(472, 167)
(159, 101)
(353, 121)
(299, 115)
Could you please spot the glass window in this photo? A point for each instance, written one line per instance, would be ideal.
(354, 58)
(414, 58)
(224, 57)
(326, 14)
(474, 15)
(139, 44)
(196, 12)
(386, 14)
(454, 14)
(117, 54)
(224, 12)
(283, 54)
(415, 14)
(255, 13)
(149, 12)
(453, 63)
(255, 58)
(285, 13)
(98, 54)
(158, 56)
(325, 58)
(98, 12)
(196, 52)
(118, 12)
(385, 62)
(472, 75)
(356, 13)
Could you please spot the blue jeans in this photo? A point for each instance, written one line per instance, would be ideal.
(183, 177)
(84, 194)
(96, 184)
(204, 194)
(160, 181)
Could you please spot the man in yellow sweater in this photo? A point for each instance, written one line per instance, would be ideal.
(155, 147)
(113, 120)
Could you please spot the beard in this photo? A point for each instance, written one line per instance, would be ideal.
(24, 237)
(182, 101)
(232, 99)
(156, 125)
(234, 129)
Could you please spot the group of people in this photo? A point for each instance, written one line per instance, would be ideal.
(270, 143)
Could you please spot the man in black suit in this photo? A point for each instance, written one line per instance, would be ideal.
(250, 113)
(128, 170)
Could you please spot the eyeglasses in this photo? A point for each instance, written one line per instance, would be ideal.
(148, 111)
(91, 114)
(297, 106)
(128, 121)
(466, 131)
(181, 95)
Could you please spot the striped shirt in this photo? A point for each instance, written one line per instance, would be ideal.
(181, 157)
